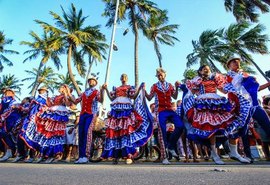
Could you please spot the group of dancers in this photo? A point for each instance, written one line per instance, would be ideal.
(40, 124)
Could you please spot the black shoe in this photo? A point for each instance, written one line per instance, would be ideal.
(115, 161)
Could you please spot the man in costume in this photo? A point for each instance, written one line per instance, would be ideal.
(163, 92)
(248, 87)
(89, 99)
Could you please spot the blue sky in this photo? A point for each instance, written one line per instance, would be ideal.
(194, 17)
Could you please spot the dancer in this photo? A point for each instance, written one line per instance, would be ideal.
(209, 113)
(29, 130)
(51, 125)
(126, 128)
(23, 109)
(8, 119)
(163, 92)
(247, 86)
(89, 99)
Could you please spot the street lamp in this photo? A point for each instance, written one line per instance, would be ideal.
(112, 41)
(126, 31)
(112, 46)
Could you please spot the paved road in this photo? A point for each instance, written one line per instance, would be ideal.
(137, 174)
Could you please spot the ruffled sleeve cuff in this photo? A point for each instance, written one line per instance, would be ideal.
(194, 83)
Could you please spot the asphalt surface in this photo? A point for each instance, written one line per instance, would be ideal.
(137, 174)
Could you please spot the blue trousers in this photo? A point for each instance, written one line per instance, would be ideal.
(2, 146)
(5, 133)
(262, 118)
(84, 123)
(170, 115)
(21, 149)
(6, 138)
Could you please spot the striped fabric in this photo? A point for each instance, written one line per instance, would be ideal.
(128, 129)
(232, 129)
(90, 136)
(244, 110)
(161, 143)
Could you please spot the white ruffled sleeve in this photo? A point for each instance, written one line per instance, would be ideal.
(237, 81)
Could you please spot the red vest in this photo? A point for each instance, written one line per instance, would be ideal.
(164, 98)
(87, 102)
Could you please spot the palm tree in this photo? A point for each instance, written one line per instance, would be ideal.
(65, 79)
(189, 74)
(95, 53)
(10, 81)
(46, 76)
(205, 50)
(219, 45)
(70, 31)
(136, 12)
(48, 47)
(3, 59)
(158, 31)
(244, 10)
(244, 41)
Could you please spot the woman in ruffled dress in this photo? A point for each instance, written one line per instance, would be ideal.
(29, 130)
(209, 113)
(23, 109)
(126, 129)
(9, 117)
(51, 126)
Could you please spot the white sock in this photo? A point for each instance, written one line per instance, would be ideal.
(9, 152)
(214, 151)
(233, 149)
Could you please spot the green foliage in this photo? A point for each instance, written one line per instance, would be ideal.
(47, 46)
(157, 30)
(247, 10)
(47, 77)
(136, 13)
(65, 79)
(10, 81)
(242, 39)
(3, 43)
(70, 31)
(206, 49)
(189, 74)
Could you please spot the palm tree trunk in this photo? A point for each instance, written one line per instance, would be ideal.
(136, 64)
(248, 58)
(214, 66)
(70, 71)
(136, 44)
(260, 71)
(36, 84)
(158, 53)
(91, 61)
